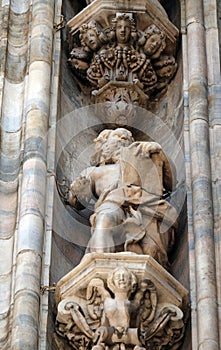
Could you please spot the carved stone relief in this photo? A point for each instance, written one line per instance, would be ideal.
(122, 309)
(134, 49)
(117, 103)
(121, 53)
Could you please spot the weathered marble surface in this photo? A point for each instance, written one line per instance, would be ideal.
(128, 51)
(201, 39)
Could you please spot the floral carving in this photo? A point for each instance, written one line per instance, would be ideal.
(118, 104)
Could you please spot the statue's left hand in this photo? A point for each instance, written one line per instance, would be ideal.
(145, 149)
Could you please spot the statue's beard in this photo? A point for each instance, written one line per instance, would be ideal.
(107, 157)
(110, 157)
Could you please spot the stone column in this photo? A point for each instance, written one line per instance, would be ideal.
(50, 185)
(14, 55)
(206, 298)
(186, 136)
(29, 245)
(214, 103)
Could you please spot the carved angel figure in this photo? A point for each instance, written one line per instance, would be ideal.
(120, 313)
(92, 37)
(128, 182)
(96, 294)
(116, 328)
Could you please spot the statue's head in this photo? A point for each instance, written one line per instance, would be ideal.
(91, 36)
(108, 145)
(123, 29)
(165, 67)
(153, 41)
(122, 279)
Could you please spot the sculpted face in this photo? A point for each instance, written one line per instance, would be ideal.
(121, 279)
(112, 144)
(154, 45)
(91, 40)
(123, 31)
(167, 71)
(109, 147)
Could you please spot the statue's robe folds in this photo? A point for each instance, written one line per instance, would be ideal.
(149, 220)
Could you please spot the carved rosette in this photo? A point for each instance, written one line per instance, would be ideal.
(123, 53)
(121, 307)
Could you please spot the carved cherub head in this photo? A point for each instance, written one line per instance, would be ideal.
(122, 280)
(165, 67)
(91, 36)
(108, 145)
(123, 29)
(153, 41)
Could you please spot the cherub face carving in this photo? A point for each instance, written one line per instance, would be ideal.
(123, 31)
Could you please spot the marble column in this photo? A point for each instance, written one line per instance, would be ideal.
(214, 107)
(202, 206)
(14, 56)
(31, 228)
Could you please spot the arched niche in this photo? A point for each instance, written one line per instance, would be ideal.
(68, 247)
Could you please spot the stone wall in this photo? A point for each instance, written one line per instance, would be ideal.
(37, 91)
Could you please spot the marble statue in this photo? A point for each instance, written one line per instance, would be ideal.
(126, 184)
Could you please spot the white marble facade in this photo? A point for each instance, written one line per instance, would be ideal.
(35, 94)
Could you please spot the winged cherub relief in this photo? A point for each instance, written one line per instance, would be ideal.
(119, 313)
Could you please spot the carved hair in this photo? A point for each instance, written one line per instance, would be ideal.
(153, 29)
(122, 132)
(125, 137)
(165, 61)
(132, 277)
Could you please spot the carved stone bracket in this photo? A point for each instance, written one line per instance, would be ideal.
(120, 301)
(117, 102)
(136, 47)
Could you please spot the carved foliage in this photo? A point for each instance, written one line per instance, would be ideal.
(121, 53)
(120, 313)
(118, 104)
